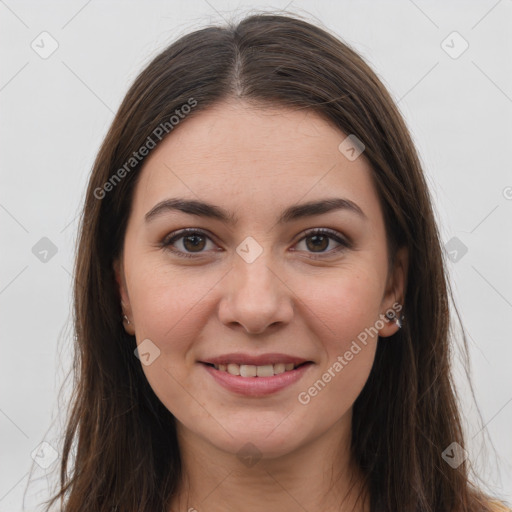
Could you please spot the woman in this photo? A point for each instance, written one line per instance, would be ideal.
(261, 304)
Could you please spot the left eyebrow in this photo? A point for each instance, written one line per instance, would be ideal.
(292, 213)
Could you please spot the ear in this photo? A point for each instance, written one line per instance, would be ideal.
(393, 300)
(123, 293)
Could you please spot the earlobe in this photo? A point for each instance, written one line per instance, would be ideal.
(393, 316)
(393, 321)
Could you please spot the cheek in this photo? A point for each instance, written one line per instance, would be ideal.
(344, 316)
(170, 306)
(344, 303)
(349, 344)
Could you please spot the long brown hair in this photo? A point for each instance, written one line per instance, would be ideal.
(123, 440)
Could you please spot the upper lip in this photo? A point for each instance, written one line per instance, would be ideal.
(261, 360)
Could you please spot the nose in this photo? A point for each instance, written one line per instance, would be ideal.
(255, 296)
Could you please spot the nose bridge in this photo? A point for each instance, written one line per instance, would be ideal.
(256, 296)
(254, 272)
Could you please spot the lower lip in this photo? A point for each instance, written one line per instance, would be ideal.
(257, 386)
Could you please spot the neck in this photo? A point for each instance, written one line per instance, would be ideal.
(313, 477)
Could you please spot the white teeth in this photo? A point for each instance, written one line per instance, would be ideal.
(234, 369)
(265, 371)
(249, 370)
(279, 368)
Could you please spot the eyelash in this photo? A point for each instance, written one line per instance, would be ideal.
(173, 237)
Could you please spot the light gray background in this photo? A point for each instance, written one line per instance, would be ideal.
(55, 112)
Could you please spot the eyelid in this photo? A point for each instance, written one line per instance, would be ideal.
(344, 241)
(169, 239)
(176, 235)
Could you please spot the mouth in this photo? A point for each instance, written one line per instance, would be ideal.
(256, 380)
(258, 371)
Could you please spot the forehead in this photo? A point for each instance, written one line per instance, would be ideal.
(240, 155)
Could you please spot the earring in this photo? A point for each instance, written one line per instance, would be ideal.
(393, 317)
(126, 318)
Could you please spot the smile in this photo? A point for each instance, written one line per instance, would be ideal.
(256, 381)
(249, 370)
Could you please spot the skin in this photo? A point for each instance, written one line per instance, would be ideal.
(255, 162)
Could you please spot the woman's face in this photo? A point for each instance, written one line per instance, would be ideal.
(256, 287)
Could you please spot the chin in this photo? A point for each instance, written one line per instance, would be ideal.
(249, 448)
(268, 437)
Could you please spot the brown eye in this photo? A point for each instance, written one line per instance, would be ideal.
(190, 241)
(193, 242)
(318, 243)
(318, 240)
